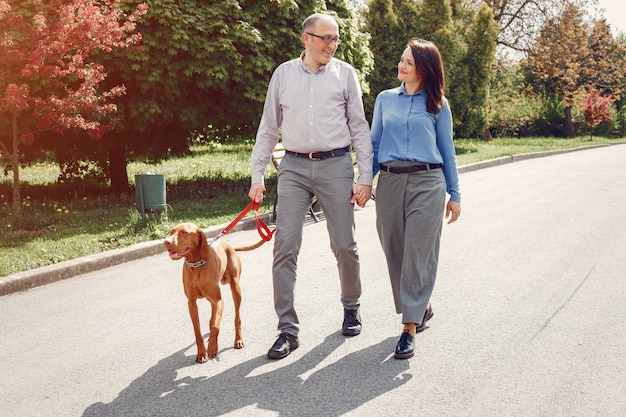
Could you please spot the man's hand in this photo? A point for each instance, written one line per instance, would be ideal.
(361, 193)
(256, 192)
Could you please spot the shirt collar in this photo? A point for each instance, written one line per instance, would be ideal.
(307, 69)
(402, 91)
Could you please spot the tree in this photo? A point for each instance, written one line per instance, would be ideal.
(198, 63)
(511, 112)
(388, 23)
(520, 21)
(556, 63)
(470, 92)
(355, 43)
(605, 67)
(597, 109)
(571, 55)
(47, 80)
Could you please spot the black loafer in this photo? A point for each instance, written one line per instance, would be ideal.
(351, 322)
(428, 314)
(284, 345)
(405, 348)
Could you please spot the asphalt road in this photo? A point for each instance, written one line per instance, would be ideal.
(529, 320)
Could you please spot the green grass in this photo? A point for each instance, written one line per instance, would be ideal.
(209, 187)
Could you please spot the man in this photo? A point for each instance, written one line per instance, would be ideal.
(314, 103)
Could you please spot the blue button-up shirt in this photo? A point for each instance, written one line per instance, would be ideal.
(402, 130)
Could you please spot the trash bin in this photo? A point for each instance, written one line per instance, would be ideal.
(150, 192)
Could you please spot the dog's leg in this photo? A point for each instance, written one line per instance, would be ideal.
(233, 275)
(236, 290)
(201, 357)
(217, 309)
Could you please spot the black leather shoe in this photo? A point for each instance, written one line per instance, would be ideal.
(284, 345)
(351, 322)
(428, 314)
(405, 348)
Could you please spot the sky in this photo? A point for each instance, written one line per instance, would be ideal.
(615, 13)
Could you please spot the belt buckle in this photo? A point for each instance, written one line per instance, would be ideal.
(312, 158)
(388, 168)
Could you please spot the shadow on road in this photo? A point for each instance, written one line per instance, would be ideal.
(329, 391)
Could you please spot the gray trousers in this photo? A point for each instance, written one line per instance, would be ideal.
(409, 217)
(330, 180)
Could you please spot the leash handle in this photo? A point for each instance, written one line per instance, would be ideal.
(264, 231)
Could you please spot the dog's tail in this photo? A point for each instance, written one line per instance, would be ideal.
(251, 247)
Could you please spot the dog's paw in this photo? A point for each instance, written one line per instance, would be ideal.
(239, 344)
(212, 350)
(201, 358)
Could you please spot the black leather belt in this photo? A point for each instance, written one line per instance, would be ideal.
(318, 156)
(409, 169)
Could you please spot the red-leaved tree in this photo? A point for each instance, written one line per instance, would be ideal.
(47, 80)
(596, 108)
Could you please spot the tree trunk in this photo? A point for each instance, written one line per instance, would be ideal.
(570, 131)
(486, 135)
(118, 173)
(17, 198)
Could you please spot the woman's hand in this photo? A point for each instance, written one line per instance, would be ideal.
(453, 211)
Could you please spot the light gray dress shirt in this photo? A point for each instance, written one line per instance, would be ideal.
(313, 112)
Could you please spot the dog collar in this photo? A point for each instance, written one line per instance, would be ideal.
(197, 263)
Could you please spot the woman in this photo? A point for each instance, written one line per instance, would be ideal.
(412, 138)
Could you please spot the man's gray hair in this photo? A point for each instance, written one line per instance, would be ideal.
(311, 21)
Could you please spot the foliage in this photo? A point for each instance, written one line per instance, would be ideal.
(199, 60)
(605, 67)
(596, 108)
(569, 56)
(47, 78)
(556, 63)
(355, 43)
(512, 111)
(387, 22)
(477, 63)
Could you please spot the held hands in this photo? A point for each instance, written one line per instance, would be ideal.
(361, 193)
(453, 210)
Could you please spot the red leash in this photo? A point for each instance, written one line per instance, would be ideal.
(264, 231)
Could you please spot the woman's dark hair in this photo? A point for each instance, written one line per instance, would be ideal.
(430, 69)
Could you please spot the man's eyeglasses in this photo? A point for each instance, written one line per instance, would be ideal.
(326, 39)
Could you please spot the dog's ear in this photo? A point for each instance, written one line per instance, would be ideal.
(202, 238)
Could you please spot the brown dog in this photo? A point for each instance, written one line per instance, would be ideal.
(205, 268)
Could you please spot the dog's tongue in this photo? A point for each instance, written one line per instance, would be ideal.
(177, 255)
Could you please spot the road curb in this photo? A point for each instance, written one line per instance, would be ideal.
(523, 156)
(48, 274)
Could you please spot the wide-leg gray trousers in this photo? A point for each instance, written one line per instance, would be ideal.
(330, 180)
(409, 217)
